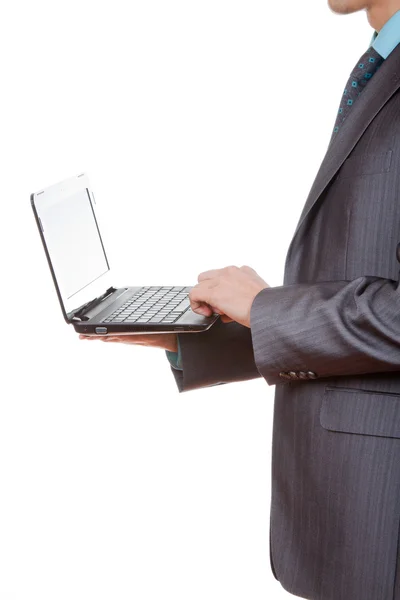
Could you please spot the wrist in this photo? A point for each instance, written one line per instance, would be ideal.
(172, 343)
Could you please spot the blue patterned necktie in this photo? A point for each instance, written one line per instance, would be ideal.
(364, 70)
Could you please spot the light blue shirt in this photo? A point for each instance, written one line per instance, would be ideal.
(388, 38)
(175, 358)
(384, 43)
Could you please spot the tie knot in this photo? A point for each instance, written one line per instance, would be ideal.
(365, 68)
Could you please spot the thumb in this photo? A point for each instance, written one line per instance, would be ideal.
(202, 308)
(198, 300)
(226, 319)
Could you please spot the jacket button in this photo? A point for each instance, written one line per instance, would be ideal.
(312, 375)
(293, 375)
(398, 252)
(303, 375)
(284, 375)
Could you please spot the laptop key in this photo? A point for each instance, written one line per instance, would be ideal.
(182, 306)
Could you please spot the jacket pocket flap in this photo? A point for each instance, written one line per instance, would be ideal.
(361, 411)
(366, 164)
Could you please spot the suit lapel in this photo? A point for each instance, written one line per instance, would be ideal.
(379, 90)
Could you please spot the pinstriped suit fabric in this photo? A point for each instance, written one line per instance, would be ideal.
(335, 505)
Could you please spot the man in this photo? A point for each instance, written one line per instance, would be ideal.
(329, 338)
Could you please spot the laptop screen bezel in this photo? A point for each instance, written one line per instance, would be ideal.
(51, 195)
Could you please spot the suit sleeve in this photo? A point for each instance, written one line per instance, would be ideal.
(331, 328)
(222, 354)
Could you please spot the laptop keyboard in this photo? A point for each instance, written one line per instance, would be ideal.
(152, 305)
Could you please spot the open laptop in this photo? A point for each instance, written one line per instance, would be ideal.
(66, 218)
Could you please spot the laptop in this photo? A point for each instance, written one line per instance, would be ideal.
(65, 214)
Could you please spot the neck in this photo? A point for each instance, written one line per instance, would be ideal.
(380, 11)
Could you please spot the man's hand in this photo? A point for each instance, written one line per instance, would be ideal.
(229, 292)
(166, 341)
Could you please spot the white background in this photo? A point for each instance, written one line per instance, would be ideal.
(201, 126)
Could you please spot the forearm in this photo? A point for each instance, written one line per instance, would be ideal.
(222, 354)
(331, 328)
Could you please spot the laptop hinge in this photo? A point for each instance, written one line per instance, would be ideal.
(79, 313)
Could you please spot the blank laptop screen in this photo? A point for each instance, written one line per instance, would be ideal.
(74, 243)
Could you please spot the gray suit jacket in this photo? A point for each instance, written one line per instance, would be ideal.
(335, 505)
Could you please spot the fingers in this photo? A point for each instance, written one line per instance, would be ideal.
(216, 273)
(202, 308)
(200, 299)
(226, 319)
(247, 269)
(209, 274)
(102, 338)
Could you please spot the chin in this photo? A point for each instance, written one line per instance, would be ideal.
(345, 7)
